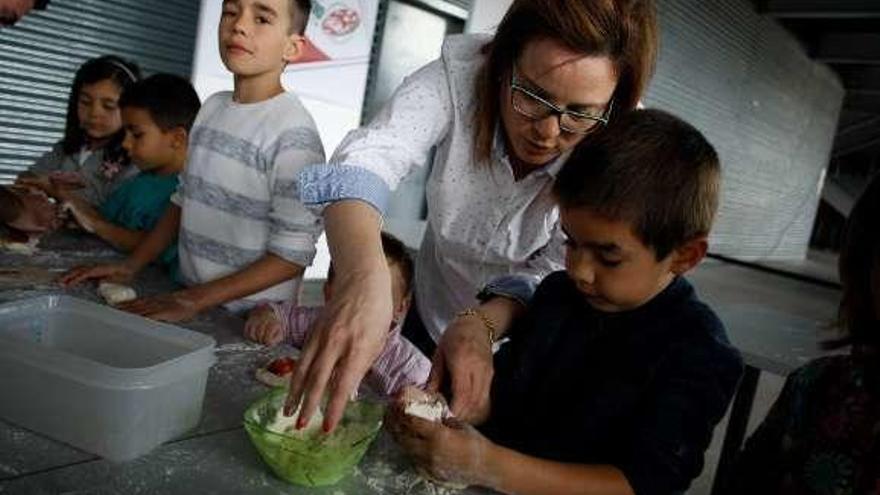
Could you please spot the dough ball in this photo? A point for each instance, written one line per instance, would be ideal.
(116, 293)
(421, 404)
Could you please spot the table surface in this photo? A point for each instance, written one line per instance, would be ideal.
(776, 323)
(215, 457)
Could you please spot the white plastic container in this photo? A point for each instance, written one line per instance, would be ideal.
(102, 380)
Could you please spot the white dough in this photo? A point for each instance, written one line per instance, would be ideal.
(27, 248)
(286, 425)
(424, 405)
(116, 293)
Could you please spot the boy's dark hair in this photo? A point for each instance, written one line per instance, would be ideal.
(171, 100)
(859, 268)
(41, 4)
(300, 10)
(120, 71)
(396, 254)
(649, 168)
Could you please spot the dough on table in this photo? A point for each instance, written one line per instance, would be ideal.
(28, 247)
(116, 293)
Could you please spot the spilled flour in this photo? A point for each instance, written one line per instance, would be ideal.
(240, 347)
(385, 478)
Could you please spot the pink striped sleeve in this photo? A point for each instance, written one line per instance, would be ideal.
(297, 321)
(400, 364)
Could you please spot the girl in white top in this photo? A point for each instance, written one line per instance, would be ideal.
(496, 117)
(90, 157)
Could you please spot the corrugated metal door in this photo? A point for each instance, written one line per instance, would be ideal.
(39, 55)
(769, 110)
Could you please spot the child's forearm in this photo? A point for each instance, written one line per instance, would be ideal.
(509, 471)
(266, 272)
(162, 235)
(121, 238)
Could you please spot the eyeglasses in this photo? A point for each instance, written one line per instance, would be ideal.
(534, 107)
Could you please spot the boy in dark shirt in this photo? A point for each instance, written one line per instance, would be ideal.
(615, 377)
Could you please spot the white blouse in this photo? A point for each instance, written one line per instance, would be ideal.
(482, 224)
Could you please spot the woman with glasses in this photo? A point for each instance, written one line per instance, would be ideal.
(494, 118)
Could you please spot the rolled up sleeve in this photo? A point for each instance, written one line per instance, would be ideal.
(372, 160)
(294, 229)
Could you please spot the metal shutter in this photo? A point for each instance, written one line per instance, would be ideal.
(39, 55)
(768, 109)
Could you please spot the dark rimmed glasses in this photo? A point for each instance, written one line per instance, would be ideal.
(532, 106)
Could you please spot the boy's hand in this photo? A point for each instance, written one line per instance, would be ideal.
(464, 353)
(451, 451)
(172, 307)
(263, 326)
(113, 272)
(85, 214)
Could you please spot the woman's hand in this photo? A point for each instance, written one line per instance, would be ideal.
(121, 273)
(347, 339)
(451, 451)
(263, 326)
(464, 356)
(464, 353)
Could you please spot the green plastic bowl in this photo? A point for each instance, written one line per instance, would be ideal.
(313, 459)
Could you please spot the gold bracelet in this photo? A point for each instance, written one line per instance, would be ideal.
(489, 324)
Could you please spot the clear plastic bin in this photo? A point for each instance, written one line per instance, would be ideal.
(105, 381)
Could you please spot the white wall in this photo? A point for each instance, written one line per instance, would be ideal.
(485, 15)
(769, 110)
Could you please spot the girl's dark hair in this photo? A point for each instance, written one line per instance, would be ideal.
(124, 74)
(859, 268)
(623, 30)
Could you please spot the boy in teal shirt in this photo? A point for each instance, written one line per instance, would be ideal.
(157, 113)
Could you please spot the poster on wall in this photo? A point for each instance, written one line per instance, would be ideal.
(338, 32)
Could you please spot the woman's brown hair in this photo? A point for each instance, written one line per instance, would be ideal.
(623, 30)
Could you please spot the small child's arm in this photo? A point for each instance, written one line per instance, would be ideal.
(152, 246)
(400, 364)
(92, 221)
(264, 326)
